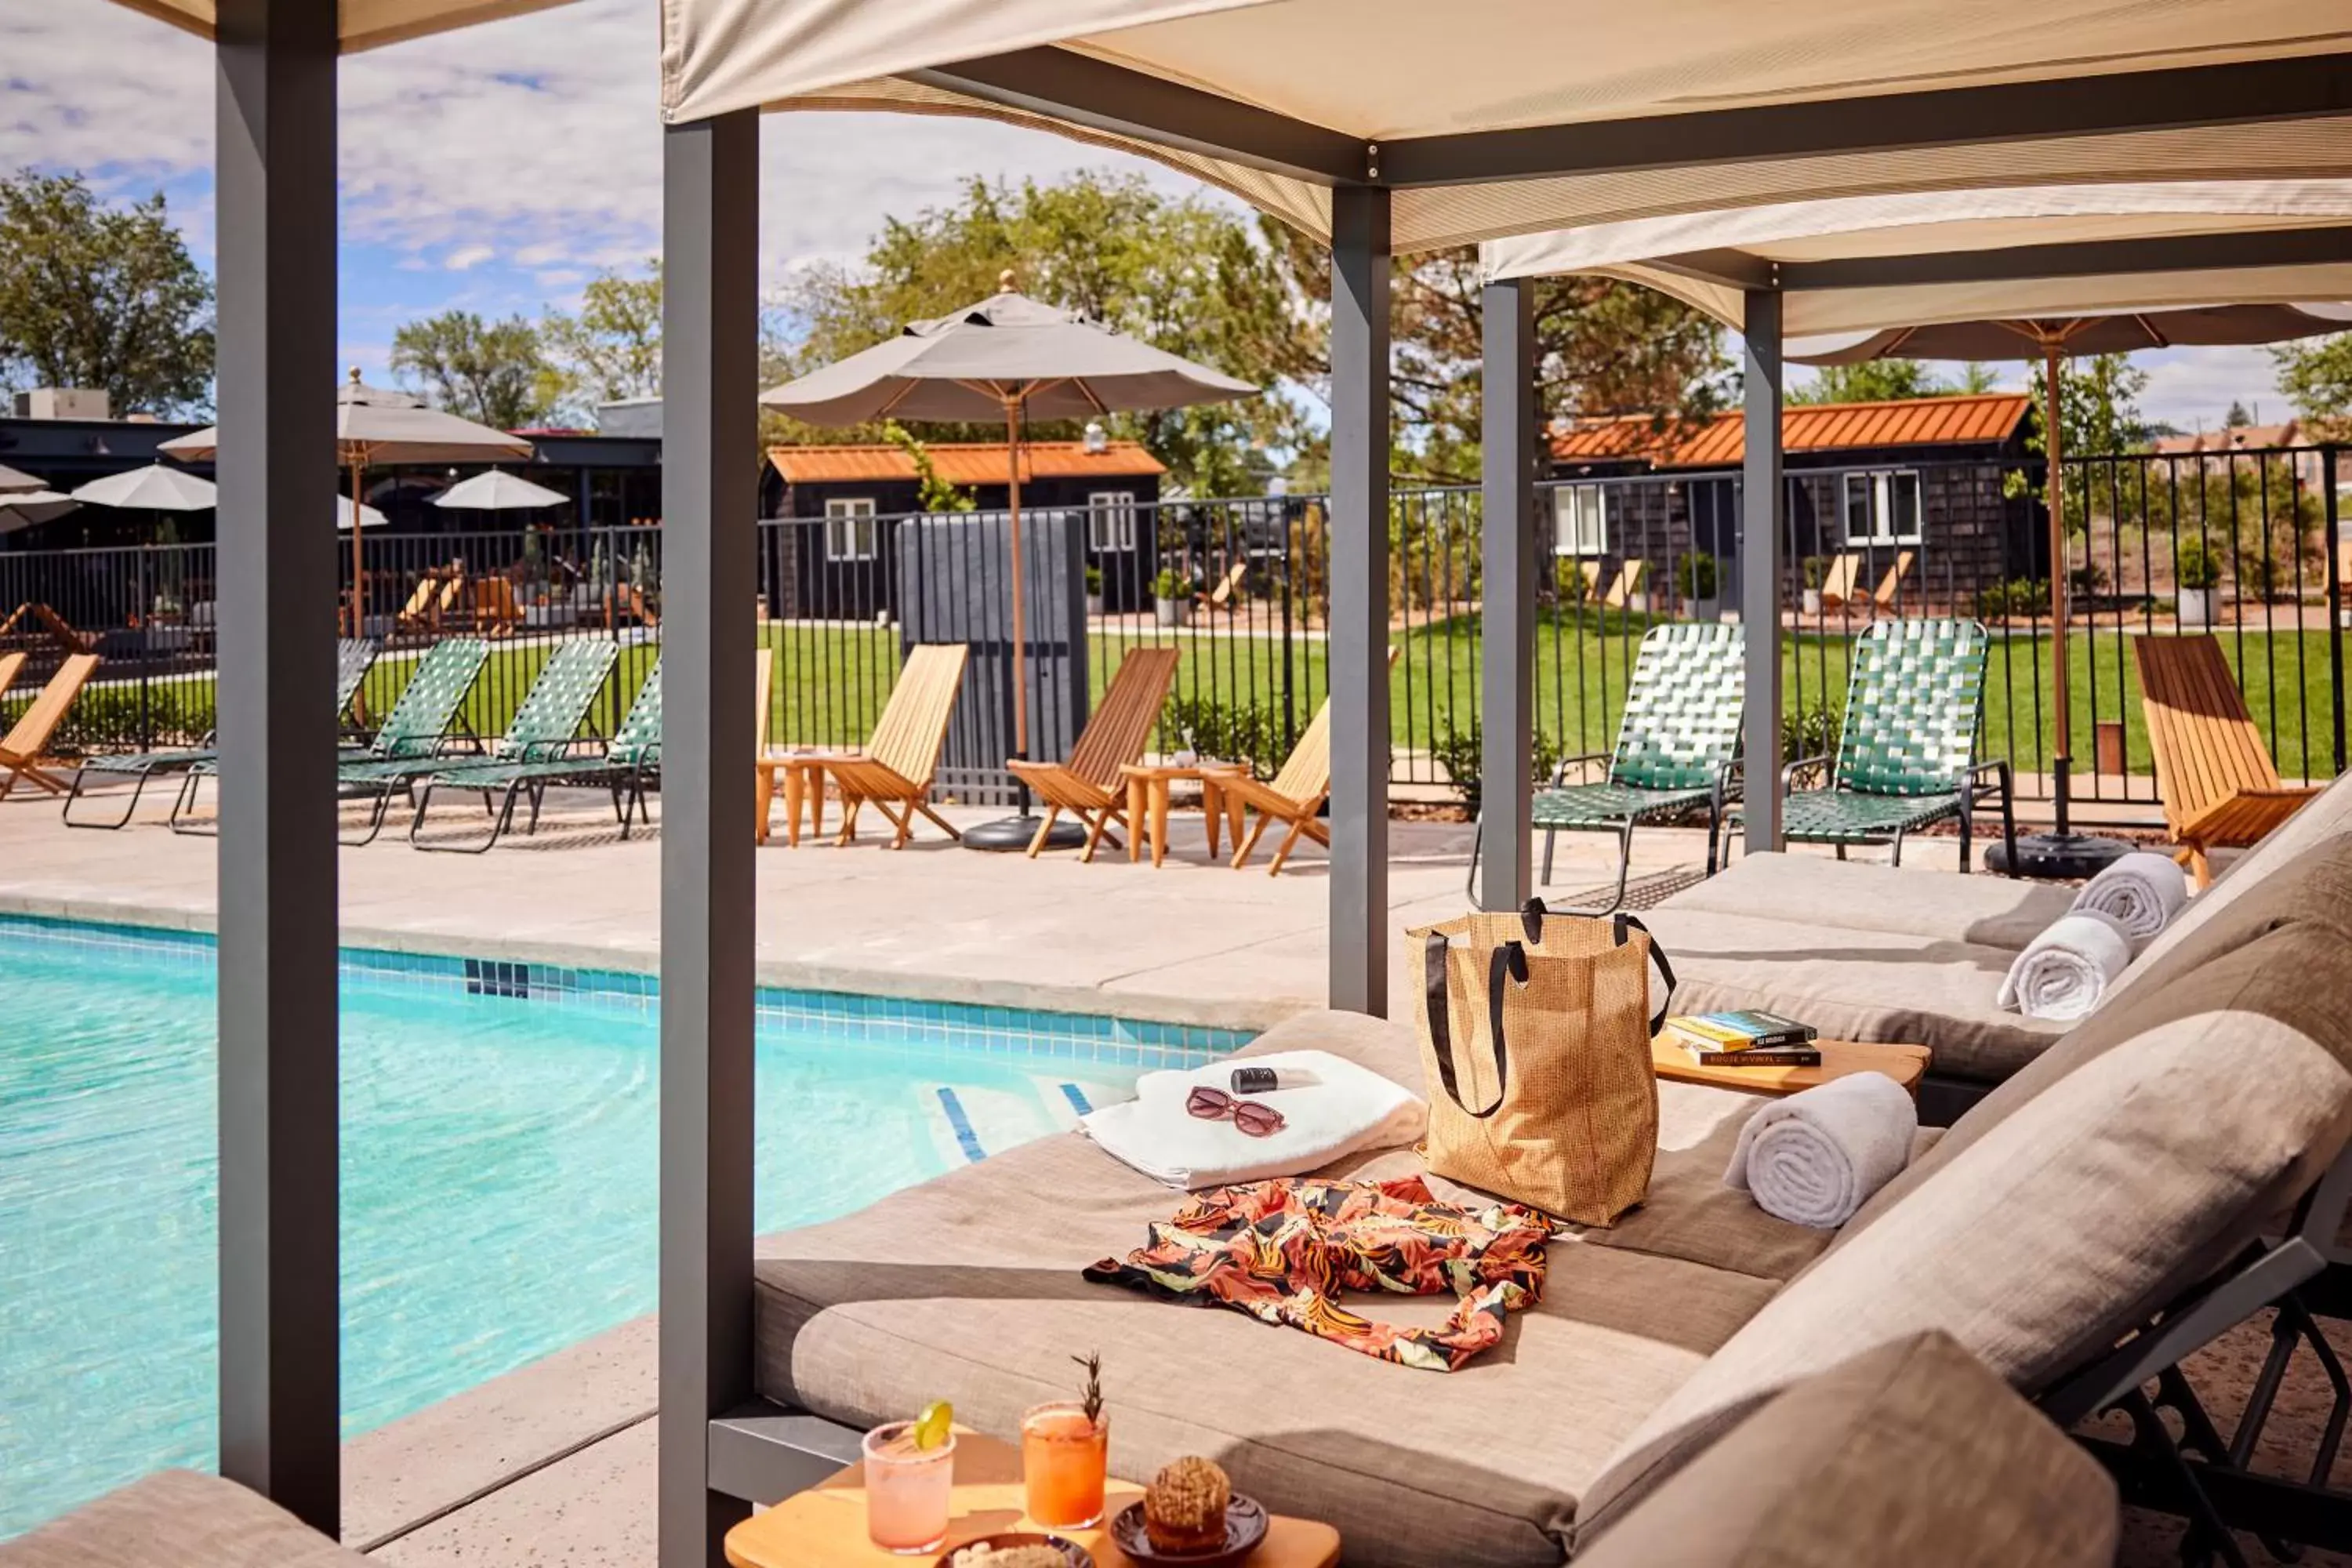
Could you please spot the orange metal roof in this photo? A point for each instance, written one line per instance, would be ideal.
(1720, 442)
(961, 463)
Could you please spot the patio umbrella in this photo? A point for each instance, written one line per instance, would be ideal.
(14, 479)
(152, 488)
(345, 511)
(499, 490)
(2065, 853)
(23, 508)
(1013, 358)
(374, 426)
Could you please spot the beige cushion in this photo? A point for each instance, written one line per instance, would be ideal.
(183, 1519)
(1944, 906)
(2039, 1231)
(1892, 986)
(1912, 1453)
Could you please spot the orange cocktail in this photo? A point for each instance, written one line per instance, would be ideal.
(1065, 1454)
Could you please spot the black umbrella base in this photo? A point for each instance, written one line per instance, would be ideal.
(2057, 857)
(1015, 833)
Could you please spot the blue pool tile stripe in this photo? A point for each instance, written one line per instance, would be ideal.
(963, 1125)
(1078, 1098)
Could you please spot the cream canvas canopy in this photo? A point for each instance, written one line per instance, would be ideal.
(364, 23)
(1495, 117)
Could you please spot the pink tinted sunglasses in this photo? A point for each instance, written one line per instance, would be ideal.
(1249, 1116)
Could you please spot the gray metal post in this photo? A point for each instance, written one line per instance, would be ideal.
(1359, 599)
(279, 1291)
(711, 182)
(1760, 509)
(1507, 631)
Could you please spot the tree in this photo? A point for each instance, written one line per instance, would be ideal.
(1886, 380)
(92, 296)
(2098, 417)
(612, 348)
(2316, 377)
(489, 372)
(2237, 418)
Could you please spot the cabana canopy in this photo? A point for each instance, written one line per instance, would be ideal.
(1501, 117)
(364, 23)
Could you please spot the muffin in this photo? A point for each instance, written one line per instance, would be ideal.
(1185, 1507)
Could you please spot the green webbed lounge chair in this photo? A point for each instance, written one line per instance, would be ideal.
(1907, 755)
(354, 656)
(1677, 745)
(544, 727)
(634, 754)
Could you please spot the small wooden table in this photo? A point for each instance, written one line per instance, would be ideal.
(825, 1527)
(1905, 1064)
(1147, 806)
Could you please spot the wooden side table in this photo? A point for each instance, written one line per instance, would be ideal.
(1905, 1064)
(825, 1527)
(1147, 806)
(804, 776)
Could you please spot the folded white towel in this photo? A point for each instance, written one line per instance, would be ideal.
(2142, 890)
(2064, 972)
(1330, 1108)
(1814, 1158)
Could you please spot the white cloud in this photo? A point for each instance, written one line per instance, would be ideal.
(465, 257)
(2193, 388)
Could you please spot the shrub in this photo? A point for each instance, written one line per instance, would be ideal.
(1568, 586)
(1171, 584)
(111, 718)
(2194, 566)
(2022, 598)
(1697, 575)
(1811, 731)
(1094, 580)
(1814, 570)
(1232, 733)
(1459, 749)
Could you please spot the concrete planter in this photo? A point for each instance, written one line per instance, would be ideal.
(1812, 600)
(1094, 605)
(1172, 611)
(2198, 606)
(1706, 612)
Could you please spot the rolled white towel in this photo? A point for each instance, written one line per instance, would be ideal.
(1814, 1158)
(2064, 972)
(2143, 890)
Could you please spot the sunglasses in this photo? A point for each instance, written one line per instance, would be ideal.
(1249, 1116)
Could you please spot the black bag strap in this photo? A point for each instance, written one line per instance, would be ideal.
(1508, 964)
(1657, 956)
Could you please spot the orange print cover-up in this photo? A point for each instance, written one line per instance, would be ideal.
(1283, 1251)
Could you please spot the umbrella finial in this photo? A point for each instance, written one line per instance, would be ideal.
(355, 375)
(1004, 281)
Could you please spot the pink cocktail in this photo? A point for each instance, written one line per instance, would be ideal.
(909, 1491)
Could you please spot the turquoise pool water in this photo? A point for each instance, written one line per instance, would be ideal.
(498, 1162)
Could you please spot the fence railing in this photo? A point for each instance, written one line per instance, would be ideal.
(2242, 543)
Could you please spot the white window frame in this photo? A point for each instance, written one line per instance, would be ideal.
(1580, 525)
(850, 533)
(1866, 505)
(1116, 509)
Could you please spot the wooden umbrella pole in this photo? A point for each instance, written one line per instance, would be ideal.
(1020, 618)
(358, 593)
(2061, 752)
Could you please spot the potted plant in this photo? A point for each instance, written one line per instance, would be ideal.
(1813, 568)
(1700, 588)
(1172, 595)
(2196, 584)
(1094, 591)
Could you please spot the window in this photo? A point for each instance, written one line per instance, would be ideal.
(849, 528)
(1580, 519)
(1882, 507)
(1111, 521)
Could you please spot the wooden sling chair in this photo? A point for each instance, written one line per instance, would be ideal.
(1091, 785)
(1837, 583)
(1295, 795)
(24, 747)
(896, 766)
(1627, 584)
(1892, 584)
(10, 663)
(2221, 789)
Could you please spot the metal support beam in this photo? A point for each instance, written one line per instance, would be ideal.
(1760, 508)
(2078, 258)
(1360, 600)
(711, 226)
(1509, 420)
(281, 1429)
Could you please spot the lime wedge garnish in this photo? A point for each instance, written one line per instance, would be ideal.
(931, 1426)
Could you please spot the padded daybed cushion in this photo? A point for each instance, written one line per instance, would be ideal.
(1853, 895)
(967, 1288)
(1912, 1454)
(183, 1519)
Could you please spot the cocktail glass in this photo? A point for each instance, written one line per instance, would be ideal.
(909, 1491)
(1064, 1457)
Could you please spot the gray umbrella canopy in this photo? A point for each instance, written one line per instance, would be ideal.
(1055, 364)
(499, 490)
(152, 488)
(12, 480)
(2124, 331)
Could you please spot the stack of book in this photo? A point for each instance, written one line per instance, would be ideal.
(1748, 1038)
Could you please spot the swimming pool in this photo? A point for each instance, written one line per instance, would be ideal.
(498, 1159)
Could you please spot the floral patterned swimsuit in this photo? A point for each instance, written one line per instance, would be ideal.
(1283, 1251)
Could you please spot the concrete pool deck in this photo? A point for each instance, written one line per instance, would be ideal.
(552, 1463)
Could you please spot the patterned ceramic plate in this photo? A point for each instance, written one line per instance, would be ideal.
(1245, 1528)
(1075, 1555)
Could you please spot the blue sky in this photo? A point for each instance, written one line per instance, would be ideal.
(498, 169)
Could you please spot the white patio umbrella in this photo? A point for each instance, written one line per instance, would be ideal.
(152, 488)
(24, 508)
(373, 427)
(345, 511)
(498, 490)
(1008, 356)
(14, 480)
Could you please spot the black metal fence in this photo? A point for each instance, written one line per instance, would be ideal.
(2242, 543)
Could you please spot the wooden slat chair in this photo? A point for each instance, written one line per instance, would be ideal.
(1676, 745)
(25, 749)
(435, 597)
(1906, 753)
(10, 663)
(1627, 582)
(896, 766)
(1090, 786)
(1837, 582)
(1892, 584)
(2221, 789)
(1295, 795)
